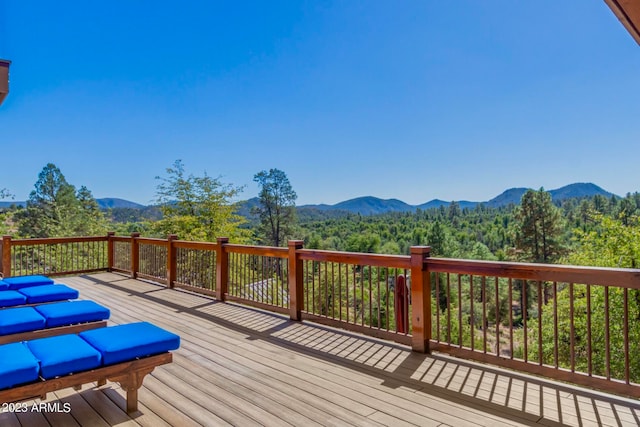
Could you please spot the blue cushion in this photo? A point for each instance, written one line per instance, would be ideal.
(11, 298)
(21, 319)
(17, 365)
(127, 342)
(3, 285)
(70, 312)
(20, 282)
(48, 293)
(64, 354)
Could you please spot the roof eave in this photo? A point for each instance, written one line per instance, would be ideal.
(628, 12)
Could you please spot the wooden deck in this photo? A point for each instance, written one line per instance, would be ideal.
(240, 366)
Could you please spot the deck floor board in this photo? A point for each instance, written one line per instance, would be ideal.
(242, 366)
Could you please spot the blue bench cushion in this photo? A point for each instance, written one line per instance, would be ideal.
(11, 298)
(64, 354)
(3, 285)
(48, 293)
(21, 319)
(17, 365)
(127, 342)
(70, 312)
(20, 282)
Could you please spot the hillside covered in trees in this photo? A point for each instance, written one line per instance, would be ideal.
(541, 227)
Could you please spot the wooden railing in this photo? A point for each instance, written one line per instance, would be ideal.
(577, 324)
(259, 275)
(357, 292)
(54, 257)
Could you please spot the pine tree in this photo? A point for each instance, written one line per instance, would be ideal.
(277, 209)
(55, 210)
(539, 228)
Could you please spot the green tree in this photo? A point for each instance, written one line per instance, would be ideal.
(454, 212)
(540, 227)
(613, 243)
(365, 243)
(627, 209)
(277, 209)
(55, 209)
(86, 218)
(538, 237)
(610, 244)
(197, 208)
(437, 239)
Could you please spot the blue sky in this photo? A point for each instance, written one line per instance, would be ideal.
(412, 100)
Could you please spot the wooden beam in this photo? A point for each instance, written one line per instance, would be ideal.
(52, 332)
(628, 12)
(4, 79)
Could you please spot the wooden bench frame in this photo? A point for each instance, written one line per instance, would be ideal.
(129, 375)
(51, 332)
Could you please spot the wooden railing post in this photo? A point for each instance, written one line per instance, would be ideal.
(6, 256)
(296, 289)
(135, 255)
(222, 268)
(420, 299)
(110, 250)
(171, 260)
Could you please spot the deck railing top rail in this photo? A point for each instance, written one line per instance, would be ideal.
(376, 260)
(619, 277)
(186, 244)
(271, 251)
(56, 240)
(152, 241)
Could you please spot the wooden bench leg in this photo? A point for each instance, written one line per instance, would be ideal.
(102, 382)
(132, 400)
(131, 383)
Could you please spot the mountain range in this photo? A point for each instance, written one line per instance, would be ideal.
(369, 205)
(105, 203)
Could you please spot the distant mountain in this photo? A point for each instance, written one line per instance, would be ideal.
(372, 205)
(11, 203)
(246, 206)
(571, 191)
(111, 202)
(436, 203)
(305, 213)
(105, 203)
(510, 196)
(579, 190)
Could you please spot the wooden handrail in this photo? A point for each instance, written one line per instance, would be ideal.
(258, 250)
(152, 241)
(185, 244)
(357, 258)
(56, 240)
(121, 239)
(619, 277)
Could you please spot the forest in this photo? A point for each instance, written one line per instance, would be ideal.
(203, 208)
